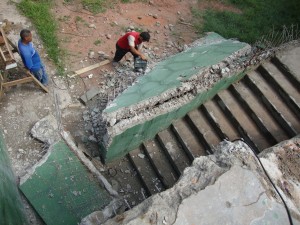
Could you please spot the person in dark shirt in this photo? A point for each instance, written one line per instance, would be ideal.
(31, 57)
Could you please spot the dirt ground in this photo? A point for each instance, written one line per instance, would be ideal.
(81, 33)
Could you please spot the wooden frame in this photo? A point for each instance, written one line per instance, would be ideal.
(6, 52)
(30, 78)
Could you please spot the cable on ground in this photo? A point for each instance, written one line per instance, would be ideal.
(283, 201)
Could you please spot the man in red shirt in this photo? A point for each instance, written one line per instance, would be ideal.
(131, 42)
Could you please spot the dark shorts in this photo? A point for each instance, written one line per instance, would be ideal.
(120, 52)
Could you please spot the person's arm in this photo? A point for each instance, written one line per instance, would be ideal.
(140, 46)
(133, 49)
(28, 60)
(26, 55)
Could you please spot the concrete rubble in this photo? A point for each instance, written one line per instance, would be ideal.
(120, 79)
(228, 187)
(114, 84)
(46, 130)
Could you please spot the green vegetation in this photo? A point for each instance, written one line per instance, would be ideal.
(44, 22)
(79, 19)
(250, 21)
(97, 42)
(257, 18)
(94, 6)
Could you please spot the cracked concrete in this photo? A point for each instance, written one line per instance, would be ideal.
(228, 187)
(180, 82)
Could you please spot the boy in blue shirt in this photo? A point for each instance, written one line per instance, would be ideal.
(31, 57)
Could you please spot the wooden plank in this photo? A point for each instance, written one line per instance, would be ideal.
(1, 88)
(16, 82)
(3, 56)
(36, 81)
(14, 47)
(86, 69)
(7, 44)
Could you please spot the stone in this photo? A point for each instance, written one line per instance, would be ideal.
(91, 54)
(141, 155)
(46, 130)
(89, 94)
(92, 26)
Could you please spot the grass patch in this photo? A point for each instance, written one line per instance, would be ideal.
(97, 42)
(100, 6)
(39, 14)
(257, 18)
(79, 19)
(94, 6)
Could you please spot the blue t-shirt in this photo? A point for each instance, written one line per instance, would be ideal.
(30, 56)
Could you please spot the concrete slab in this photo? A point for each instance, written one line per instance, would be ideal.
(228, 187)
(172, 71)
(291, 59)
(173, 88)
(237, 197)
(61, 189)
(89, 95)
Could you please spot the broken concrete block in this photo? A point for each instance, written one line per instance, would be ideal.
(228, 187)
(89, 94)
(46, 130)
(160, 97)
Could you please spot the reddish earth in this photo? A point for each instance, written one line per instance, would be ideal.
(78, 38)
(81, 31)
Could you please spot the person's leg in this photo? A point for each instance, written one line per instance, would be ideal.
(38, 75)
(44, 76)
(41, 75)
(119, 53)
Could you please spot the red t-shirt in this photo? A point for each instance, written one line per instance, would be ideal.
(123, 42)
